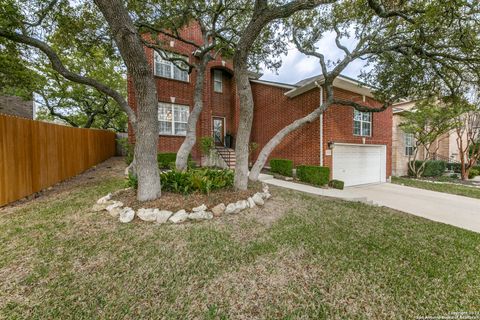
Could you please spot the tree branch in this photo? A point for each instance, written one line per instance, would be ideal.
(58, 66)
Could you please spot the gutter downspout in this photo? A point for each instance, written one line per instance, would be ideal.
(321, 124)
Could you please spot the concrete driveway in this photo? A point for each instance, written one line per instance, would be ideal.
(451, 209)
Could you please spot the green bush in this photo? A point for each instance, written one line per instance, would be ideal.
(433, 168)
(206, 144)
(132, 181)
(204, 180)
(472, 173)
(336, 184)
(313, 174)
(165, 159)
(282, 166)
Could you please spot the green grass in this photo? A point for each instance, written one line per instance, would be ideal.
(457, 189)
(300, 256)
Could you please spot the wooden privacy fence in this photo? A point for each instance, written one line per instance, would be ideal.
(35, 155)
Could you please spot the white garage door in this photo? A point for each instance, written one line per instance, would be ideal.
(359, 164)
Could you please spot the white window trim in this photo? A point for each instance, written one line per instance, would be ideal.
(405, 139)
(172, 106)
(172, 66)
(361, 124)
(217, 73)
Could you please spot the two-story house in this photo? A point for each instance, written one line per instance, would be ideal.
(355, 145)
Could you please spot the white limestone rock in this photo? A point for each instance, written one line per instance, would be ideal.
(114, 208)
(251, 203)
(203, 207)
(126, 215)
(179, 216)
(257, 198)
(230, 209)
(200, 215)
(241, 205)
(265, 187)
(218, 210)
(163, 216)
(148, 215)
(102, 206)
(104, 199)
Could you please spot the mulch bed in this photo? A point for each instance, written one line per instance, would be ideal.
(174, 201)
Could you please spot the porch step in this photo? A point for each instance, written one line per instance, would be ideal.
(228, 155)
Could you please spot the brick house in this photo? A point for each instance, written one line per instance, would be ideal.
(356, 146)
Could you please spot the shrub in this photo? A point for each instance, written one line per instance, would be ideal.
(433, 168)
(313, 174)
(472, 173)
(336, 184)
(165, 159)
(455, 167)
(282, 166)
(204, 180)
(132, 181)
(206, 144)
(454, 176)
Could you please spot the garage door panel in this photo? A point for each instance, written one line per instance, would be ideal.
(359, 164)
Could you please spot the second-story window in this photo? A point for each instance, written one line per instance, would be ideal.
(168, 69)
(362, 123)
(217, 81)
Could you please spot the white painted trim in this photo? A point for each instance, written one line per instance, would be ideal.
(224, 127)
(339, 82)
(273, 84)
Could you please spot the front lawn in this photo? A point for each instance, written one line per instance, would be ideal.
(458, 189)
(299, 256)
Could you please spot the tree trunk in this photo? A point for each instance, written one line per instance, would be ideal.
(245, 124)
(191, 137)
(146, 128)
(264, 154)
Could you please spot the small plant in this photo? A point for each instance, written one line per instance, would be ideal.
(129, 149)
(313, 174)
(472, 173)
(454, 176)
(166, 159)
(132, 181)
(336, 184)
(202, 180)
(282, 166)
(206, 145)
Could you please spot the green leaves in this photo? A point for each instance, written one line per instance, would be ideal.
(202, 180)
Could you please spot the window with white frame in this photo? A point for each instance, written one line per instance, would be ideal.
(173, 118)
(217, 81)
(362, 123)
(168, 69)
(409, 144)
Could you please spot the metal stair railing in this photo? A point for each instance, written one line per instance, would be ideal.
(227, 155)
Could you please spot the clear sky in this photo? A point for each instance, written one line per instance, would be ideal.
(297, 66)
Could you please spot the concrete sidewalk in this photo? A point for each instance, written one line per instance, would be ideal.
(462, 212)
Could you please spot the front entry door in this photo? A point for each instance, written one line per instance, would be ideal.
(219, 131)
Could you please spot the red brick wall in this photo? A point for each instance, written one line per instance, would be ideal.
(183, 92)
(274, 111)
(338, 126)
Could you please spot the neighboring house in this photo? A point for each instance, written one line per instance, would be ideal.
(356, 146)
(403, 143)
(16, 106)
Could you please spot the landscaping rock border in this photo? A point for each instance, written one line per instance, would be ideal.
(200, 213)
